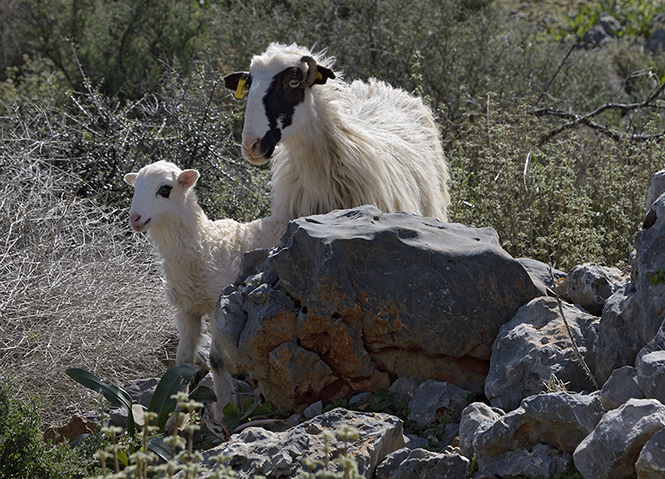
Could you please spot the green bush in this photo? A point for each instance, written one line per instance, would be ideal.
(577, 198)
(23, 452)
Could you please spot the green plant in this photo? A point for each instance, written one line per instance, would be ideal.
(234, 416)
(162, 405)
(380, 401)
(179, 456)
(635, 17)
(23, 452)
(656, 277)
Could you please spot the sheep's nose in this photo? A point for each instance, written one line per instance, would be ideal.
(250, 146)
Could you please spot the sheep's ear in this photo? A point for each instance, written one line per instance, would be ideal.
(188, 178)
(322, 75)
(130, 178)
(237, 82)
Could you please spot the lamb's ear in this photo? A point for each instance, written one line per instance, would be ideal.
(130, 178)
(188, 178)
(237, 82)
(323, 74)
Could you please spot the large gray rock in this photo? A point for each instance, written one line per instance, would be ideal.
(432, 399)
(589, 285)
(476, 418)
(256, 451)
(633, 315)
(656, 188)
(651, 461)
(651, 375)
(620, 387)
(534, 346)
(542, 272)
(356, 298)
(539, 437)
(420, 463)
(611, 450)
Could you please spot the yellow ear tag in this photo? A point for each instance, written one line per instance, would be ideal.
(240, 90)
(319, 76)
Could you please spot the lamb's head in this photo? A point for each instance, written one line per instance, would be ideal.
(278, 84)
(162, 193)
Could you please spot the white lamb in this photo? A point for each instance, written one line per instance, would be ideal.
(199, 256)
(341, 145)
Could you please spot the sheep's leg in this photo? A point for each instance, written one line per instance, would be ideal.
(189, 334)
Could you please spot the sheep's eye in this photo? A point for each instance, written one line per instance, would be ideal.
(164, 190)
(294, 84)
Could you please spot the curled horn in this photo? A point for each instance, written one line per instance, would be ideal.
(312, 72)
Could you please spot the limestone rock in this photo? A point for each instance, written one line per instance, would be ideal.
(432, 399)
(476, 418)
(420, 463)
(634, 314)
(651, 375)
(538, 438)
(656, 188)
(620, 387)
(402, 391)
(256, 451)
(589, 285)
(365, 297)
(611, 450)
(535, 345)
(651, 461)
(542, 272)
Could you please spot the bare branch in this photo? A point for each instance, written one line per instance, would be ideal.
(576, 120)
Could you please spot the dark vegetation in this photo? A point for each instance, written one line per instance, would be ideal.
(550, 140)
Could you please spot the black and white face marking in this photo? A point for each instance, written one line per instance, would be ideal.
(275, 86)
(285, 93)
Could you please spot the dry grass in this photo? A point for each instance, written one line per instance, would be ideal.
(77, 289)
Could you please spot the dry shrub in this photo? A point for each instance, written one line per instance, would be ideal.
(77, 289)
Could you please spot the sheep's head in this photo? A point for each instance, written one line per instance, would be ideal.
(161, 192)
(277, 84)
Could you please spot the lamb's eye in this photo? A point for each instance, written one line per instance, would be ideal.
(294, 84)
(164, 190)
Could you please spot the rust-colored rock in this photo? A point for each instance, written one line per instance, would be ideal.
(76, 426)
(372, 297)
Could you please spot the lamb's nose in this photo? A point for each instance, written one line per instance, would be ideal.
(134, 220)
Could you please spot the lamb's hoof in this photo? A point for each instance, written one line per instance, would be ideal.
(220, 430)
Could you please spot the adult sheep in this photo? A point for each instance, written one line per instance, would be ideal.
(199, 256)
(341, 145)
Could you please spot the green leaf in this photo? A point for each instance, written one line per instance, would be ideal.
(123, 457)
(156, 445)
(203, 393)
(380, 400)
(114, 394)
(173, 381)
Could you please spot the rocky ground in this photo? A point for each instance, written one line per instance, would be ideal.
(494, 366)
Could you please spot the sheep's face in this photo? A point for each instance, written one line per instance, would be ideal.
(277, 85)
(161, 191)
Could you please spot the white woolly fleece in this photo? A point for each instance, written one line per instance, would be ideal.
(200, 257)
(350, 144)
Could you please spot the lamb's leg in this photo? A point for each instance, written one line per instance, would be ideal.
(223, 383)
(189, 334)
